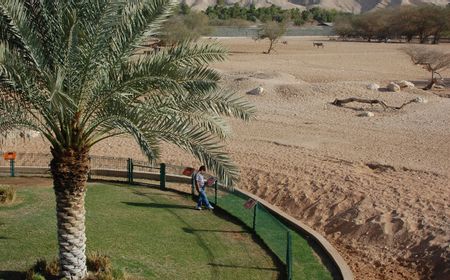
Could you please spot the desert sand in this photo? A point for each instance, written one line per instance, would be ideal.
(377, 187)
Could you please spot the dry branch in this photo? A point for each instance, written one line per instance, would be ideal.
(340, 102)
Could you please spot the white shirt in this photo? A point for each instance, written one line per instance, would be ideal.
(200, 180)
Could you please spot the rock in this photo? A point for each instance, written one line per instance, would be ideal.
(406, 84)
(256, 91)
(421, 100)
(366, 114)
(393, 87)
(438, 87)
(33, 134)
(373, 86)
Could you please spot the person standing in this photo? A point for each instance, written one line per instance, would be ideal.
(200, 185)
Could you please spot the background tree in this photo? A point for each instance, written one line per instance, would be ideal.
(424, 22)
(272, 31)
(67, 70)
(181, 28)
(344, 27)
(401, 23)
(433, 61)
(184, 8)
(440, 23)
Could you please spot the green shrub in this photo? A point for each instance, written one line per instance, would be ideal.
(37, 276)
(7, 194)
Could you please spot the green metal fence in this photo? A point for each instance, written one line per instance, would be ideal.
(288, 245)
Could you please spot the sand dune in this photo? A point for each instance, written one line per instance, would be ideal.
(378, 188)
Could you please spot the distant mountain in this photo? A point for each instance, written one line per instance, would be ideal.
(354, 6)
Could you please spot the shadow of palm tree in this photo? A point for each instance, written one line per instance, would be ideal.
(192, 230)
(11, 275)
(242, 266)
(159, 205)
(139, 193)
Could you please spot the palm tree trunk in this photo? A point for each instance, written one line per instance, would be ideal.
(70, 170)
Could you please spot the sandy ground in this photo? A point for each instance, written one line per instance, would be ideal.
(378, 188)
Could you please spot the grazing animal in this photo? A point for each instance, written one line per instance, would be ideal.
(318, 45)
(284, 42)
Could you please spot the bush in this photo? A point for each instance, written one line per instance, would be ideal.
(7, 194)
(181, 28)
(43, 270)
(99, 268)
(99, 264)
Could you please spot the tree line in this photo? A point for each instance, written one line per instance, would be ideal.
(272, 13)
(426, 22)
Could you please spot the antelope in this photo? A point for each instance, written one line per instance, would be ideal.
(318, 45)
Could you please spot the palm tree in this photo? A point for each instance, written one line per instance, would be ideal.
(69, 69)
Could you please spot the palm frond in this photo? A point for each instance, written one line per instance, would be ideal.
(17, 35)
(199, 54)
(71, 68)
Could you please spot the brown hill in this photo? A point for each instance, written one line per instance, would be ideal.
(355, 6)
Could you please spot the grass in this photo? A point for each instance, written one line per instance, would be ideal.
(147, 233)
(306, 264)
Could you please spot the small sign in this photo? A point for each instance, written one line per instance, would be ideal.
(9, 156)
(188, 171)
(250, 203)
(211, 181)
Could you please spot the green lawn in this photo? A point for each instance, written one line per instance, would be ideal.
(146, 232)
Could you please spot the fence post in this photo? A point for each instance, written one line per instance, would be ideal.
(289, 256)
(255, 208)
(193, 185)
(90, 168)
(162, 176)
(11, 167)
(131, 171)
(215, 193)
(128, 170)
